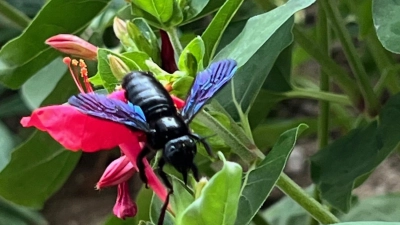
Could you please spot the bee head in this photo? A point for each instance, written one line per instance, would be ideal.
(180, 153)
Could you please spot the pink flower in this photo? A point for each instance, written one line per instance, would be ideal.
(78, 131)
(124, 207)
(73, 45)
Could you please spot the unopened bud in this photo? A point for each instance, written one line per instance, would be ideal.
(119, 170)
(73, 45)
(199, 187)
(118, 67)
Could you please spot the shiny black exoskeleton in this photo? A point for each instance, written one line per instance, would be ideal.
(169, 131)
(150, 109)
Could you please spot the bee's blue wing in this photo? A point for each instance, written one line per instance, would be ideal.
(207, 83)
(110, 109)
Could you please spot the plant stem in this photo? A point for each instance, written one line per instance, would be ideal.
(14, 14)
(341, 76)
(323, 117)
(316, 210)
(338, 25)
(174, 38)
(318, 95)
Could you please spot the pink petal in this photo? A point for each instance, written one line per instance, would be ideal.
(71, 44)
(124, 206)
(131, 149)
(179, 103)
(119, 170)
(75, 130)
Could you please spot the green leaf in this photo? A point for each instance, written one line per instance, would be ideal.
(17, 215)
(378, 208)
(247, 87)
(7, 144)
(212, 35)
(218, 200)
(104, 70)
(258, 30)
(161, 9)
(191, 59)
(387, 23)
(50, 75)
(155, 210)
(260, 180)
(193, 8)
(181, 199)
(294, 213)
(347, 162)
(40, 166)
(144, 38)
(139, 58)
(24, 56)
(37, 169)
(369, 223)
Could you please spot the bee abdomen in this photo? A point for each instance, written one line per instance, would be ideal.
(144, 90)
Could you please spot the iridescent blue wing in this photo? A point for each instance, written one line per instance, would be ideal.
(110, 109)
(206, 85)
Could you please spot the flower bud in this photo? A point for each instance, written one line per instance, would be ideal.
(199, 187)
(118, 67)
(73, 45)
(120, 170)
(124, 206)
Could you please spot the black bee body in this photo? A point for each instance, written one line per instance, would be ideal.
(168, 130)
(150, 109)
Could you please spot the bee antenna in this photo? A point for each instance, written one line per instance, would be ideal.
(204, 143)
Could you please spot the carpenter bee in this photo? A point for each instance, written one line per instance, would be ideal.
(150, 109)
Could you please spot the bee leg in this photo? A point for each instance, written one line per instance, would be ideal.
(204, 142)
(163, 175)
(165, 180)
(139, 161)
(195, 172)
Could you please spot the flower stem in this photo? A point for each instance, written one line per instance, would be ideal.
(316, 210)
(318, 95)
(14, 14)
(338, 25)
(341, 76)
(323, 118)
(174, 38)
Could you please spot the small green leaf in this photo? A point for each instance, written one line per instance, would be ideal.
(181, 86)
(144, 38)
(104, 70)
(139, 58)
(161, 9)
(7, 144)
(192, 8)
(193, 51)
(212, 35)
(387, 23)
(347, 162)
(260, 180)
(219, 198)
(22, 57)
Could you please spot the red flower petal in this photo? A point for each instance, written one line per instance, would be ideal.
(124, 206)
(178, 102)
(75, 130)
(131, 149)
